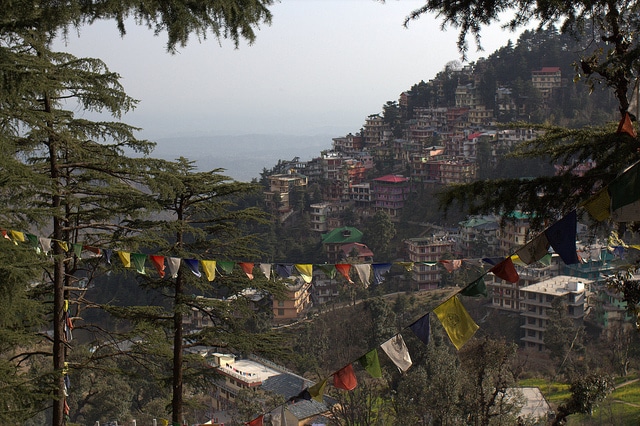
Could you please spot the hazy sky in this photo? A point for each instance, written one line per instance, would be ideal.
(322, 67)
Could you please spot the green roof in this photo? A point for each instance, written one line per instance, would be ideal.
(346, 234)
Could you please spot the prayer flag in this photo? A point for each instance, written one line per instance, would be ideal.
(226, 266)
(562, 237)
(599, 205)
(247, 268)
(422, 329)
(258, 421)
(18, 236)
(344, 269)
(534, 250)
(625, 195)
(138, 260)
(451, 265)
(364, 272)
(476, 288)
(397, 351)
(284, 270)
(456, 321)
(408, 266)
(506, 271)
(63, 245)
(125, 258)
(107, 255)
(345, 378)
(371, 363)
(77, 249)
(626, 126)
(209, 267)
(265, 268)
(174, 265)
(306, 271)
(378, 270)
(33, 240)
(158, 263)
(317, 391)
(45, 243)
(193, 265)
(329, 270)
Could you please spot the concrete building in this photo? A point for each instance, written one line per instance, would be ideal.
(280, 186)
(295, 304)
(546, 80)
(335, 239)
(537, 300)
(425, 252)
(390, 193)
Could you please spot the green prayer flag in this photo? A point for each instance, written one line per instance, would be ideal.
(226, 266)
(476, 288)
(371, 363)
(138, 260)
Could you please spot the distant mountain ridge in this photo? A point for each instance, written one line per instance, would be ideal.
(242, 156)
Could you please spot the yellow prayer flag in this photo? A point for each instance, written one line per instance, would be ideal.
(317, 391)
(125, 258)
(599, 206)
(209, 267)
(18, 236)
(306, 271)
(63, 245)
(517, 261)
(456, 321)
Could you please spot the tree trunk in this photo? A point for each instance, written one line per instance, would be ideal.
(176, 400)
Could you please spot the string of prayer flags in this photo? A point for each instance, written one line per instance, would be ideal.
(476, 288)
(265, 268)
(306, 271)
(284, 270)
(397, 351)
(364, 272)
(506, 270)
(344, 269)
(379, 269)
(226, 266)
(371, 363)
(193, 265)
(562, 237)
(422, 329)
(451, 265)
(209, 267)
(247, 268)
(345, 378)
(456, 321)
(125, 258)
(625, 195)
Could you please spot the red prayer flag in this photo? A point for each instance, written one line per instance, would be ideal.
(344, 269)
(158, 262)
(256, 422)
(345, 378)
(626, 126)
(247, 267)
(506, 271)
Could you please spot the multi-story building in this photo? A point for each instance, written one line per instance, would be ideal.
(390, 192)
(375, 131)
(295, 303)
(360, 194)
(335, 239)
(514, 233)
(280, 186)
(546, 80)
(322, 212)
(253, 374)
(425, 252)
(478, 236)
(537, 300)
(349, 144)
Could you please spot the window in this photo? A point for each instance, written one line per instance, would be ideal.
(280, 312)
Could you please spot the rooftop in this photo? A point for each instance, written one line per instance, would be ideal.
(560, 285)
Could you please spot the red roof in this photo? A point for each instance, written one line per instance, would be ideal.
(391, 179)
(550, 69)
(474, 135)
(363, 250)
